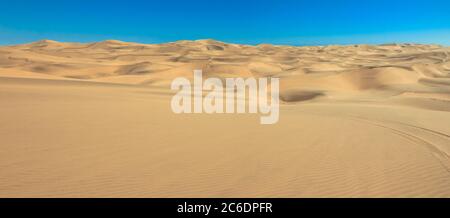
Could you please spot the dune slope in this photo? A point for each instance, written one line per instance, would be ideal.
(94, 120)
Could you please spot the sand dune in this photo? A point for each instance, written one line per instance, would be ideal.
(94, 120)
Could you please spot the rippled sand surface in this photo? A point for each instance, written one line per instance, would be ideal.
(94, 120)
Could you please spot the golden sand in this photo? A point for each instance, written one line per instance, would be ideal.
(94, 120)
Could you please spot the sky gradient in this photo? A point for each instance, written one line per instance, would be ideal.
(294, 22)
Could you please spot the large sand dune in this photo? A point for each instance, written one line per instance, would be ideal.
(94, 120)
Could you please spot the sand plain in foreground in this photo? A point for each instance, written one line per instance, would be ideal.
(94, 120)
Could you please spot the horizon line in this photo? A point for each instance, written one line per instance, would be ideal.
(220, 41)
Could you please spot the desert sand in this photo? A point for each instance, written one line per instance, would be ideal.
(94, 120)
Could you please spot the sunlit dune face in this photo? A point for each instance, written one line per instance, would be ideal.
(95, 120)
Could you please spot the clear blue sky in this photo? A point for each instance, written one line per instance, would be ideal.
(297, 22)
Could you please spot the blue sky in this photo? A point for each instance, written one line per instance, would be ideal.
(295, 22)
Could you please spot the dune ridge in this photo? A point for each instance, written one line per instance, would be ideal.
(328, 69)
